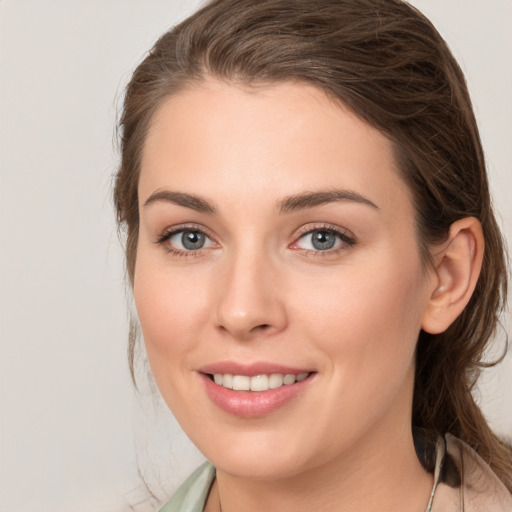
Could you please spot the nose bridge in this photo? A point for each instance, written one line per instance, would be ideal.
(249, 300)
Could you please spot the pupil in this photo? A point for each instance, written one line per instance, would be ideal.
(323, 240)
(192, 240)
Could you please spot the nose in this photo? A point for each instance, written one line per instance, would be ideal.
(250, 301)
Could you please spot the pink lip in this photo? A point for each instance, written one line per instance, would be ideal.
(251, 404)
(250, 369)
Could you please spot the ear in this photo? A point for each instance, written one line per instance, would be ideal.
(456, 269)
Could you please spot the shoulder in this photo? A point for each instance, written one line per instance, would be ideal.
(191, 495)
(478, 488)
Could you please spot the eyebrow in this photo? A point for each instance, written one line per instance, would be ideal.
(312, 199)
(181, 199)
(288, 204)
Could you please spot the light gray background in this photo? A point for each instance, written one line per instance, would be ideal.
(71, 432)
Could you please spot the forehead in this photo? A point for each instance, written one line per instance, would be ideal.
(273, 140)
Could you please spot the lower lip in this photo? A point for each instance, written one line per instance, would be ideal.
(252, 404)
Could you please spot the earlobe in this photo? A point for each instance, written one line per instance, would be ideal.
(457, 267)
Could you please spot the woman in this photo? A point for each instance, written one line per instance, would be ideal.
(314, 259)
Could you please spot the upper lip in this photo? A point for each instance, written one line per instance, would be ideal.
(250, 369)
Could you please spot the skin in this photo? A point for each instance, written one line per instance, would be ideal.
(259, 291)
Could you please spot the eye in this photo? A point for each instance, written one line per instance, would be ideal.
(323, 239)
(188, 240)
(320, 240)
(182, 241)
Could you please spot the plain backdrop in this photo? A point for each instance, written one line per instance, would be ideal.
(73, 434)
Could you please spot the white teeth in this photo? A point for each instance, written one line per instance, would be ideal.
(258, 382)
(227, 381)
(241, 383)
(289, 378)
(275, 380)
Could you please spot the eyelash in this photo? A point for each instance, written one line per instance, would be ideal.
(347, 240)
(168, 234)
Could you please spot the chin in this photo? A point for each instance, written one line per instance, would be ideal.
(257, 456)
(266, 468)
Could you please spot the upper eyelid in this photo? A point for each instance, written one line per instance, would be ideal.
(172, 230)
(318, 226)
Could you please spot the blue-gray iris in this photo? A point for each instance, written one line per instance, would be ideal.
(323, 240)
(193, 240)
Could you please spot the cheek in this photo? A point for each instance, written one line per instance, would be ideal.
(170, 308)
(367, 316)
(367, 324)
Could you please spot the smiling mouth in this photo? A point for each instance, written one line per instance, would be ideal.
(256, 383)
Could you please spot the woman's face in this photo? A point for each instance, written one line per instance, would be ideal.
(277, 244)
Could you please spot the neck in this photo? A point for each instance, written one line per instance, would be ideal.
(383, 475)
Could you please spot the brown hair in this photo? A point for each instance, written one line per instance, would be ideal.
(386, 62)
